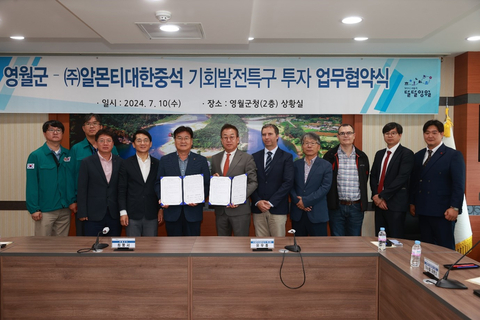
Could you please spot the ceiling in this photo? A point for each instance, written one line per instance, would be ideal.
(284, 27)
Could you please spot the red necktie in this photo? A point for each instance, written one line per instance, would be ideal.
(382, 178)
(226, 165)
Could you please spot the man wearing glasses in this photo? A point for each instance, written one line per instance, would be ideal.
(183, 220)
(438, 187)
(140, 213)
(233, 162)
(347, 199)
(312, 181)
(88, 146)
(48, 195)
(389, 182)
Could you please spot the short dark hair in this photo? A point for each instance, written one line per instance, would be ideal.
(392, 125)
(229, 126)
(311, 135)
(346, 125)
(142, 131)
(53, 124)
(271, 125)
(183, 129)
(88, 117)
(435, 123)
(106, 132)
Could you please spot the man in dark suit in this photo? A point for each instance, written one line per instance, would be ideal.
(97, 194)
(233, 162)
(140, 213)
(275, 179)
(389, 182)
(183, 220)
(313, 179)
(438, 187)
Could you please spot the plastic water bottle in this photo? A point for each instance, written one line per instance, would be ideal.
(382, 240)
(416, 254)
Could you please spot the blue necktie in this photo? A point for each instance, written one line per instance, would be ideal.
(268, 163)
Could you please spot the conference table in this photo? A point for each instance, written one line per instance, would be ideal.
(222, 278)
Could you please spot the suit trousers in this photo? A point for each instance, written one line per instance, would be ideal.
(53, 223)
(393, 221)
(437, 230)
(269, 225)
(239, 225)
(142, 228)
(182, 227)
(92, 228)
(304, 227)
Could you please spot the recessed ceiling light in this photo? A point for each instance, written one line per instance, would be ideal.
(474, 38)
(169, 28)
(17, 37)
(360, 38)
(251, 38)
(352, 20)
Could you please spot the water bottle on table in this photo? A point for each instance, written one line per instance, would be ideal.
(382, 240)
(416, 254)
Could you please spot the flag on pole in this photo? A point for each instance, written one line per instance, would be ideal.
(463, 229)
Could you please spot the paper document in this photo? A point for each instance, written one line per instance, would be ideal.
(227, 190)
(171, 191)
(193, 189)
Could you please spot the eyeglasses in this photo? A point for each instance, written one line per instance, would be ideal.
(183, 138)
(92, 124)
(390, 134)
(105, 140)
(309, 144)
(144, 140)
(55, 130)
(349, 133)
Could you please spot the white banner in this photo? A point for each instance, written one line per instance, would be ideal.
(239, 85)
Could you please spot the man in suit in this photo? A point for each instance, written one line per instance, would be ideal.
(347, 198)
(233, 162)
(389, 182)
(97, 194)
(275, 179)
(79, 151)
(438, 187)
(183, 220)
(313, 179)
(140, 213)
(49, 197)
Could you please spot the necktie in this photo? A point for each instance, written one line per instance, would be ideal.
(430, 152)
(384, 169)
(268, 162)
(226, 165)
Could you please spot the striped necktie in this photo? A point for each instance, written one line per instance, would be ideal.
(268, 162)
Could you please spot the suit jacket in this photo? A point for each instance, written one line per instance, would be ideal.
(169, 166)
(440, 184)
(313, 192)
(397, 178)
(96, 196)
(276, 186)
(241, 163)
(134, 194)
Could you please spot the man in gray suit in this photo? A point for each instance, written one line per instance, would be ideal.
(233, 162)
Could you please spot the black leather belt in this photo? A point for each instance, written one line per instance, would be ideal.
(348, 203)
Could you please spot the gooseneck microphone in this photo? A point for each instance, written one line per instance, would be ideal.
(295, 247)
(453, 284)
(98, 246)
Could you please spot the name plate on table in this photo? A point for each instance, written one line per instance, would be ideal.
(262, 244)
(431, 267)
(123, 243)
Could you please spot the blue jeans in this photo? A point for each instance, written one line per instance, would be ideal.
(346, 220)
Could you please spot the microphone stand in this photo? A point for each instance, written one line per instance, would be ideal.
(99, 246)
(453, 284)
(295, 247)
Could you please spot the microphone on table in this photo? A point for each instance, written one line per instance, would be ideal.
(98, 246)
(453, 284)
(295, 247)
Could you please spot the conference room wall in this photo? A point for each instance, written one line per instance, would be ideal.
(21, 134)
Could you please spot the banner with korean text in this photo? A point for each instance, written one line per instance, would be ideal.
(219, 85)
